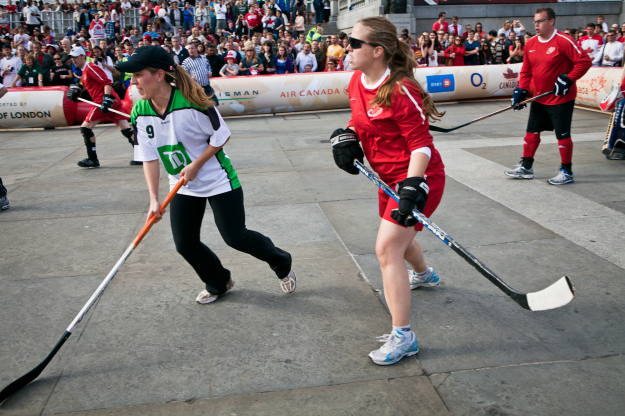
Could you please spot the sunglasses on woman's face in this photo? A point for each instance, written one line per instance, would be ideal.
(357, 43)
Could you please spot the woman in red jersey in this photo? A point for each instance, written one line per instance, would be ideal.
(390, 114)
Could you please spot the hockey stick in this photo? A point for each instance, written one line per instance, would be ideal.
(444, 130)
(558, 294)
(98, 105)
(34, 373)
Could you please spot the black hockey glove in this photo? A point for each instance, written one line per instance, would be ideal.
(107, 102)
(562, 85)
(74, 92)
(346, 149)
(413, 193)
(519, 96)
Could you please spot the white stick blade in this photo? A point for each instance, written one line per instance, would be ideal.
(558, 294)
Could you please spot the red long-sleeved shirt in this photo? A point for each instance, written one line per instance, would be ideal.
(459, 57)
(544, 61)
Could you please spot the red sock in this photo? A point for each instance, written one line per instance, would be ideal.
(532, 140)
(566, 150)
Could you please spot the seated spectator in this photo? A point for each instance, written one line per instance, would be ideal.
(214, 58)
(251, 64)
(332, 64)
(485, 56)
(30, 72)
(284, 63)
(308, 68)
(516, 51)
(231, 69)
(456, 52)
(268, 58)
(60, 73)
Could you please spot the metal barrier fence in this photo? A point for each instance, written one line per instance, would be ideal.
(60, 21)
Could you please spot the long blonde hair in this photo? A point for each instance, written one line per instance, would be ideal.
(401, 62)
(189, 89)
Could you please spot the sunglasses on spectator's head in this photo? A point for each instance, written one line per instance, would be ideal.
(357, 43)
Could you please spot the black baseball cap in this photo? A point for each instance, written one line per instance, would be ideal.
(148, 56)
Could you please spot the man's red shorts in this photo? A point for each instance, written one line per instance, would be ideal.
(436, 183)
(96, 114)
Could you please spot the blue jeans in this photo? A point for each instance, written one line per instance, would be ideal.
(187, 26)
(319, 16)
(213, 23)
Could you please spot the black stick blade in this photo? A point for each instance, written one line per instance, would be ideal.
(34, 373)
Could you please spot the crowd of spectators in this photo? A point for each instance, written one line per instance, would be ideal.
(220, 38)
(229, 38)
(455, 45)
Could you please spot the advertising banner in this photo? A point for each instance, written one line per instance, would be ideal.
(33, 107)
(595, 85)
(281, 93)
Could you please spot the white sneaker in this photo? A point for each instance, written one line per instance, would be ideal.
(289, 283)
(562, 178)
(397, 346)
(429, 278)
(205, 297)
(519, 172)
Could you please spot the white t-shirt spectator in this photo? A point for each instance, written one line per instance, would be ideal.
(506, 32)
(29, 15)
(126, 5)
(13, 64)
(220, 11)
(21, 40)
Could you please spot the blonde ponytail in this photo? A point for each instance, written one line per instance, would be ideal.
(401, 62)
(189, 89)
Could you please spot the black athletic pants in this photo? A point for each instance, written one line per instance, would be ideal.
(187, 212)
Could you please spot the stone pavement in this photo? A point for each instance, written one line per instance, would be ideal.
(146, 347)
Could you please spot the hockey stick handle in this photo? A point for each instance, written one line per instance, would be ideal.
(123, 258)
(517, 296)
(98, 105)
(529, 100)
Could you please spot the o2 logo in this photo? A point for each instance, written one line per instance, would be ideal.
(478, 81)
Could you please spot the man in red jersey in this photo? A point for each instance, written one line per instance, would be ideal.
(552, 62)
(100, 88)
(590, 42)
(441, 24)
(253, 19)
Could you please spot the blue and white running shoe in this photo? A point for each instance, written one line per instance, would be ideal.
(397, 346)
(428, 278)
(562, 178)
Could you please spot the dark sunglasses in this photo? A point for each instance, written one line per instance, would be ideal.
(357, 43)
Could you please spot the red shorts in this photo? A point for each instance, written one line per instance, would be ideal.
(436, 183)
(96, 114)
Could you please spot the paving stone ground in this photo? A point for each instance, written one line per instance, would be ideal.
(147, 347)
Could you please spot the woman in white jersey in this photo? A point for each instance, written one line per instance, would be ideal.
(180, 126)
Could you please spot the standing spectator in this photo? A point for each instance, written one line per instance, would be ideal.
(10, 7)
(136, 37)
(441, 23)
(332, 65)
(146, 14)
(505, 54)
(495, 47)
(175, 16)
(20, 38)
(31, 16)
(319, 55)
(284, 63)
(60, 73)
(435, 50)
(485, 56)
(201, 14)
(508, 44)
(198, 67)
(334, 49)
(220, 15)
(471, 50)
(318, 6)
(420, 51)
(479, 31)
(309, 11)
(518, 27)
(103, 61)
(251, 64)
(9, 65)
(299, 24)
(445, 43)
(601, 22)
(179, 53)
(214, 59)
(548, 72)
(455, 29)
(305, 58)
(45, 60)
(30, 72)
(506, 29)
(610, 54)
(97, 29)
(253, 19)
(591, 43)
(456, 52)
(269, 21)
(516, 51)
(187, 18)
(4, 201)
(231, 69)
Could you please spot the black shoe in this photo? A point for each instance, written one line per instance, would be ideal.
(88, 163)
(136, 163)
